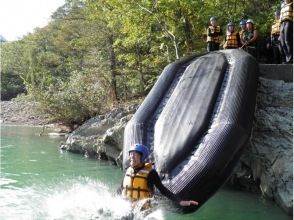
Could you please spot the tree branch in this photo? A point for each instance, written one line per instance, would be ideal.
(169, 33)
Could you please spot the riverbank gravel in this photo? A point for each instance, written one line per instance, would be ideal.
(23, 113)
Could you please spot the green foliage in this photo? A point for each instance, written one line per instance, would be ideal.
(94, 54)
(83, 96)
(13, 66)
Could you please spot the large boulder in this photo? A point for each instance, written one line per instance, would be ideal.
(101, 136)
(266, 164)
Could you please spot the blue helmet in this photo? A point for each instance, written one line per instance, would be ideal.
(242, 22)
(213, 18)
(142, 149)
(230, 24)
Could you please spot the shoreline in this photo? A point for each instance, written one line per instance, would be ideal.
(23, 113)
(29, 114)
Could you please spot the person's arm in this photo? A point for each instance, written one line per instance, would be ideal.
(209, 32)
(243, 40)
(220, 32)
(239, 40)
(119, 189)
(154, 179)
(253, 39)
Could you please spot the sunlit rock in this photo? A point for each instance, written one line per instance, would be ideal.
(101, 136)
(266, 164)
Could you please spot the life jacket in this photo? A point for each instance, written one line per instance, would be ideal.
(135, 185)
(287, 12)
(276, 29)
(241, 33)
(248, 35)
(216, 39)
(231, 40)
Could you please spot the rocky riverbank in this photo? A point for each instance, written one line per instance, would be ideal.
(23, 113)
(27, 113)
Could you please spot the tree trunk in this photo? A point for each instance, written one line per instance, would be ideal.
(112, 60)
(139, 63)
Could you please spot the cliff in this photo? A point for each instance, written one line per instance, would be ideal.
(266, 166)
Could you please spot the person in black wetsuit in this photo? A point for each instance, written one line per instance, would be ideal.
(286, 29)
(274, 44)
(140, 180)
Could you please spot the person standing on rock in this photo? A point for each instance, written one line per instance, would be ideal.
(214, 33)
(140, 179)
(232, 38)
(243, 28)
(275, 45)
(286, 29)
(249, 38)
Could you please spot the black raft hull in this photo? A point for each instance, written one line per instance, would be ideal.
(196, 120)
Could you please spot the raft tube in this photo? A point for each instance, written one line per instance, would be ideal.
(196, 120)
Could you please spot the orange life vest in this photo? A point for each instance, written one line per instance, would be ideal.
(231, 40)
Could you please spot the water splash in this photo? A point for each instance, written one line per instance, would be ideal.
(89, 200)
(81, 199)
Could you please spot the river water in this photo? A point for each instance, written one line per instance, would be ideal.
(40, 182)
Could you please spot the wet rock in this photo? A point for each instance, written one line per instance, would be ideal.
(267, 161)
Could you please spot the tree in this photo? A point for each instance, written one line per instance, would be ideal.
(13, 67)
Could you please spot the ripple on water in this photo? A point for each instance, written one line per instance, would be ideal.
(6, 146)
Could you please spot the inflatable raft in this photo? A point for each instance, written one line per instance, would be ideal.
(196, 120)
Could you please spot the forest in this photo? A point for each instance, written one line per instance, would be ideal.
(97, 54)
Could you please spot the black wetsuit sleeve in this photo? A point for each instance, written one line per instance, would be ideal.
(209, 32)
(220, 32)
(239, 40)
(154, 180)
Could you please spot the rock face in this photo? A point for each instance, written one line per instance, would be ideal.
(101, 136)
(266, 164)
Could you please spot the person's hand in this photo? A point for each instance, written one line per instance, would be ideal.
(188, 203)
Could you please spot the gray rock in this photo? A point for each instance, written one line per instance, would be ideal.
(23, 113)
(101, 136)
(268, 160)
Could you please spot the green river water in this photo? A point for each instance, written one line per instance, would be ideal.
(38, 181)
